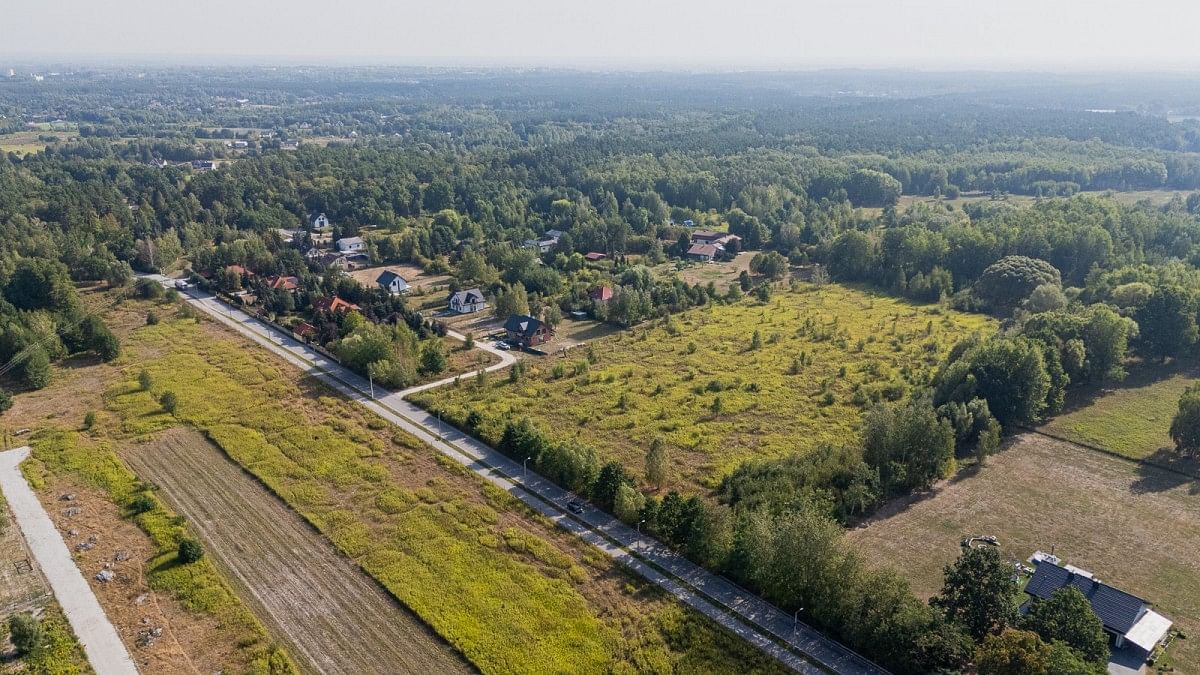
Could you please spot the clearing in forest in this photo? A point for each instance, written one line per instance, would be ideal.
(726, 383)
(334, 616)
(1136, 527)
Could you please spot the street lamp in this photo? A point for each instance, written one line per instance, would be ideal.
(524, 468)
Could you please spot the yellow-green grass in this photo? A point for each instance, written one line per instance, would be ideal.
(197, 586)
(453, 551)
(826, 353)
(1131, 419)
(58, 652)
(1135, 526)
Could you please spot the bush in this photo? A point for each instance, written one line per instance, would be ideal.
(35, 371)
(89, 420)
(147, 289)
(25, 632)
(6, 400)
(151, 319)
(190, 551)
(168, 401)
(145, 381)
(142, 503)
(1011, 279)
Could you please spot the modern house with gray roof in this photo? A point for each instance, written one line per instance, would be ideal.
(1126, 617)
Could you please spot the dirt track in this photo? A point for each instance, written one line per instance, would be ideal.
(333, 616)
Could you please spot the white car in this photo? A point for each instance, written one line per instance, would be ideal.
(182, 284)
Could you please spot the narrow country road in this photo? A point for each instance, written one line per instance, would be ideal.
(100, 640)
(760, 623)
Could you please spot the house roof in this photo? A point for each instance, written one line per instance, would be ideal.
(238, 269)
(593, 255)
(601, 293)
(702, 249)
(1118, 610)
(304, 328)
(388, 277)
(521, 324)
(349, 240)
(707, 234)
(334, 304)
(466, 297)
(1149, 630)
(283, 283)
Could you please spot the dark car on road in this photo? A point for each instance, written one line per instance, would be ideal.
(575, 507)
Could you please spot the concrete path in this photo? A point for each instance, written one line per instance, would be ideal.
(742, 612)
(100, 640)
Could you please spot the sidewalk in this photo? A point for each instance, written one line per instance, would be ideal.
(100, 640)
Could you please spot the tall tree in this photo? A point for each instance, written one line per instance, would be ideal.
(978, 592)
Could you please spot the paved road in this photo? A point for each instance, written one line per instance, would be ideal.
(742, 612)
(100, 640)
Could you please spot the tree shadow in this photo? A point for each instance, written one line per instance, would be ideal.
(1166, 470)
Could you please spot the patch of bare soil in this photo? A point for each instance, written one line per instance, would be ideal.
(162, 636)
(335, 618)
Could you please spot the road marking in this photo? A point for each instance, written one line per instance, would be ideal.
(100, 640)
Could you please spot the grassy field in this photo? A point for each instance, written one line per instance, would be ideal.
(1040, 493)
(506, 588)
(27, 142)
(1132, 418)
(59, 653)
(697, 381)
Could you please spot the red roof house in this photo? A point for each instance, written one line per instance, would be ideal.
(601, 294)
(594, 256)
(283, 283)
(334, 304)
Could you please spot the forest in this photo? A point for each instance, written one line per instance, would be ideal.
(453, 173)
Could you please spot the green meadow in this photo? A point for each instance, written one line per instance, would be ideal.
(723, 384)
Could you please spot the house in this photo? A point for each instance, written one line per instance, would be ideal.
(702, 252)
(203, 164)
(392, 283)
(718, 239)
(527, 331)
(601, 294)
(1127, 619)
(554, 234)
(542, 245)
(347, 261)
(305, 330)
(351, 244)
(319, 222)
(467, 302)
(281, 283)
(287, 236)
(593, 256)
(334, 304)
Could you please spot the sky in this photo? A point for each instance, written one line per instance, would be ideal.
(616, 34)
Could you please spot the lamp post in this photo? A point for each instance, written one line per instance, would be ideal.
(371, 380)
(524, 468)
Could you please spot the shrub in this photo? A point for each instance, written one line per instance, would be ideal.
(145, 381)
(151, 319)
(25, 632)
(168, 401)
(1185, 428)
(89, 420)
(6, 400)
(190, 551)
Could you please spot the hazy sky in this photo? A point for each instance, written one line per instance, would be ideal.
(998, 34)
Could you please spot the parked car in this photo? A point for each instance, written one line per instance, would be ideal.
(575, 507)
(182, 284)
(503, 346)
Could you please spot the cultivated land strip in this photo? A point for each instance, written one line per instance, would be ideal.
(332, 614)
(100, 640)
(763, 625)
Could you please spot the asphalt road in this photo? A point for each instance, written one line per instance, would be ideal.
(100, 640)
(760, 623)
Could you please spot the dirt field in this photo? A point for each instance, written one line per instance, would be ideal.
(325, 608)
(414, 275)
(1136, 527)
(101, 539)
(720, 273)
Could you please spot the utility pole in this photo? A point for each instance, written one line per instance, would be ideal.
(371, 379)
(524, 468)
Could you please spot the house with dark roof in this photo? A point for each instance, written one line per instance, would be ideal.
(594, 256)
(1127, 618)
(392, 283)
(467, 302)
(527, 331)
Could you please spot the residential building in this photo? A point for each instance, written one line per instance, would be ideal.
(702, 252)
(1127, 619)
(601, 294)
(334, 304)
(593, 256)
(527, 331)
(319, 222)
(351, 244)
(392, 283)
(282, 283)
(467, 302)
